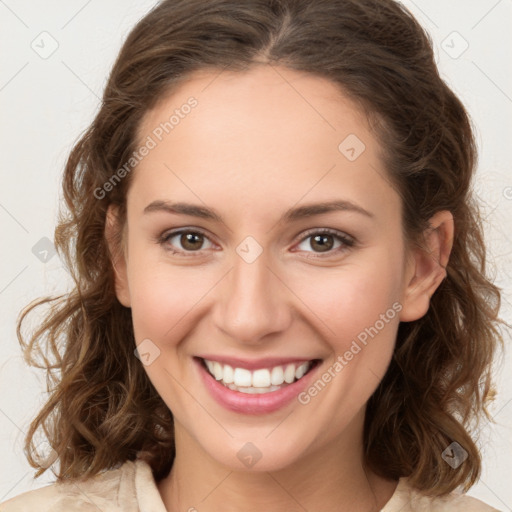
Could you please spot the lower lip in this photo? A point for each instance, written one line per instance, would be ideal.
(245, 403)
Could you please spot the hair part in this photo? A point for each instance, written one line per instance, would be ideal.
(102, 408)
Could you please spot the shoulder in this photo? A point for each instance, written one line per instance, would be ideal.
(109, 491)
(408, 499)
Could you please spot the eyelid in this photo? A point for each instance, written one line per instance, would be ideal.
(167, 235)
(347, 240)
(328, 231)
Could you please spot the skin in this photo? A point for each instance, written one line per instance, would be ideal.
(257, 144)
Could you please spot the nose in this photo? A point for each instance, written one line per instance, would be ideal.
(253, 302)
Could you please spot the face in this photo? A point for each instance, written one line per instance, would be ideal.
(263, 241)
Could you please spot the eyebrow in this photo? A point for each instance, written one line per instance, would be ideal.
(293, 214)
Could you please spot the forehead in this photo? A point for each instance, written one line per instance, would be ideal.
(268, 133)
(264, 100)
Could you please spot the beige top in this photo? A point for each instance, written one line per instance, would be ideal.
(132, 488)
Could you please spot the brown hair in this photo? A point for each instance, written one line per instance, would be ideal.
(102, 409)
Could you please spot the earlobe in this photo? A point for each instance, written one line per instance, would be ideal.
(428, 267)
(113, 236)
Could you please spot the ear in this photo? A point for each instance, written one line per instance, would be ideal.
(114, 238)
(427, 267)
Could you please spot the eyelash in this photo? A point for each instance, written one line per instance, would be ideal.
(347, 242)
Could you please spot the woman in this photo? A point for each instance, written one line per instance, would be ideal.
(281, 300)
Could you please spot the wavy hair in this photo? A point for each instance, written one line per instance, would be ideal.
(102, 408)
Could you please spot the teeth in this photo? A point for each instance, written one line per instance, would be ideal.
(217, 370)
(277, 376)
(301, 370)
(229, 374)
(242, 377)
(289, 373)
(263, 380)
(253, 390)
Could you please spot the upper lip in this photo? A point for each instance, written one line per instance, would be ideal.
(254, 364)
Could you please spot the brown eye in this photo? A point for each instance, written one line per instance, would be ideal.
(322, 242)
(191, 241)
(326, 241)
(184, 241)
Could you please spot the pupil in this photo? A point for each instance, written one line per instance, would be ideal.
(187, 240)
(323, 242)
(324, 246)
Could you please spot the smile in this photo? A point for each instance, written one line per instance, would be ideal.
(262, 380)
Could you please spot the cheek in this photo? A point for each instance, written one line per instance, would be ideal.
(162, 300)
(164, 303)
(353, 298)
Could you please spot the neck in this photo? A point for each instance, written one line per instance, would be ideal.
(331, 477)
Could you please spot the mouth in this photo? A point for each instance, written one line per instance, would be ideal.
(258, 380)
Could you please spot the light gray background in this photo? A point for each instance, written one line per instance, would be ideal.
(47, 102)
